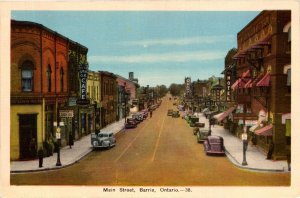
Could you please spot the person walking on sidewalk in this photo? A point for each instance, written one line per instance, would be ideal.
(150, 113)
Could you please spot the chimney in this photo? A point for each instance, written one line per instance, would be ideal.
(131, 77)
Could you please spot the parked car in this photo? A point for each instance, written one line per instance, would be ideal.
(138, 117)
(103, 139)
(199, 124)
(130, 124)
(175, 114)
(202, 135)
(170, 112)
(192, 120)
(214, 145)
(132, 120)
(195, 130)
(144, 113)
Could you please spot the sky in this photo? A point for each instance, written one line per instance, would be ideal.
(160, 47)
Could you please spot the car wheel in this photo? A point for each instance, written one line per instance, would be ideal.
(95, 143)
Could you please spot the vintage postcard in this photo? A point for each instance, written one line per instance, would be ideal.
(149, 99)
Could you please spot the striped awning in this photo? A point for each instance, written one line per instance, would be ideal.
(265, 131)
(224, 114)
(265, 81)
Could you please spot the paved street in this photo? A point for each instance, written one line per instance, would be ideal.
(161, 151)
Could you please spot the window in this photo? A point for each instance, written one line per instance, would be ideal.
(48, 72)
(27, 76)
(288, 83)
(62, 79)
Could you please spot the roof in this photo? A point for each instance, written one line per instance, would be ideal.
(29, 23)
(126, 79)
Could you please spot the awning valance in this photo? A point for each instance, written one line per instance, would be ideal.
(224, 114)
(265, 81)
(265, 131)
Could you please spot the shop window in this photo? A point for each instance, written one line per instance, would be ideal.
(48, 72)
(27, 76)
(62, 79)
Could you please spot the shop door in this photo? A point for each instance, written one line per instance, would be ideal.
(28, 135)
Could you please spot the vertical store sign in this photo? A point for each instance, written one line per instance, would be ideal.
(228, 85)
(83, 76)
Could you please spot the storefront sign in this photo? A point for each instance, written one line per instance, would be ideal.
(66, 113)
(83, 101)
(228, 86)
(25, 100)
(72, 101)
(83, 74)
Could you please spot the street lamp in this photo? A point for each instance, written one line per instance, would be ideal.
(58, 139)
(245, 144)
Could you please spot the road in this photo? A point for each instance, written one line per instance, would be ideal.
(161, 151)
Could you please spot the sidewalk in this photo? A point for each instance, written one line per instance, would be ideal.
(67, 156)
(234, 150)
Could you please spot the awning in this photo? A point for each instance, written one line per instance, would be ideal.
(246, 74)
(265, 131)
(205, 110)
(224, 114)
(285, 117)
(248, 84)
(265, 81)
(239, 83)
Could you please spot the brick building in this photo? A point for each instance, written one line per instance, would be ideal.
(262, 89)
(108, 98)
(39, 87)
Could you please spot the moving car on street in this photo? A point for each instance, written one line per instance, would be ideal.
(202, 135)
(175, 114)
(214, 145)
(170, 112)
(103, 140)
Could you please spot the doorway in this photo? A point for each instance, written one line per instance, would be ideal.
(28, 136)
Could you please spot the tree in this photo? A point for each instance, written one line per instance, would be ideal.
(176, 89)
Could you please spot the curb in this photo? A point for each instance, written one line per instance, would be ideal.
(55, 167)
(237, 164)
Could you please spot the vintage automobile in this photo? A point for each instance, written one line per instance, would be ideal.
(192, 120)
(202, 135)
(175, 114)
(130, 124)
(103, 140)
(199, 124)
(214, 145)
(144, 113)
(138, 117)
(132, 120)
(170, 112)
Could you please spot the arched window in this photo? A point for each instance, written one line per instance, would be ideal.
(62, 79)
(48, 72)
(27, 76)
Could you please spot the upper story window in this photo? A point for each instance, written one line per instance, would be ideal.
(27, 76)
(288, 83)
(49, 78)
(61, 79)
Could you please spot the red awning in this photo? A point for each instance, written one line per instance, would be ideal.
(265, 81)
(246, 74)
(248, 84)
(265, 131)
(224, 114)
(235, 84)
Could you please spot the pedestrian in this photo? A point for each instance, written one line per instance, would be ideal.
(71, 140)
(150, 114)
(270, 151)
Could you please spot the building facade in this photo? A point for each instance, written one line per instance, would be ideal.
(262, 90)
(39, 88)
(108, 98)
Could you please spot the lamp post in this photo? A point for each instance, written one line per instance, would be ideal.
(58, 139)
(245, 144)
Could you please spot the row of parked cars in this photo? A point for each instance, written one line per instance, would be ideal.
(212, 144)
(106, 139)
